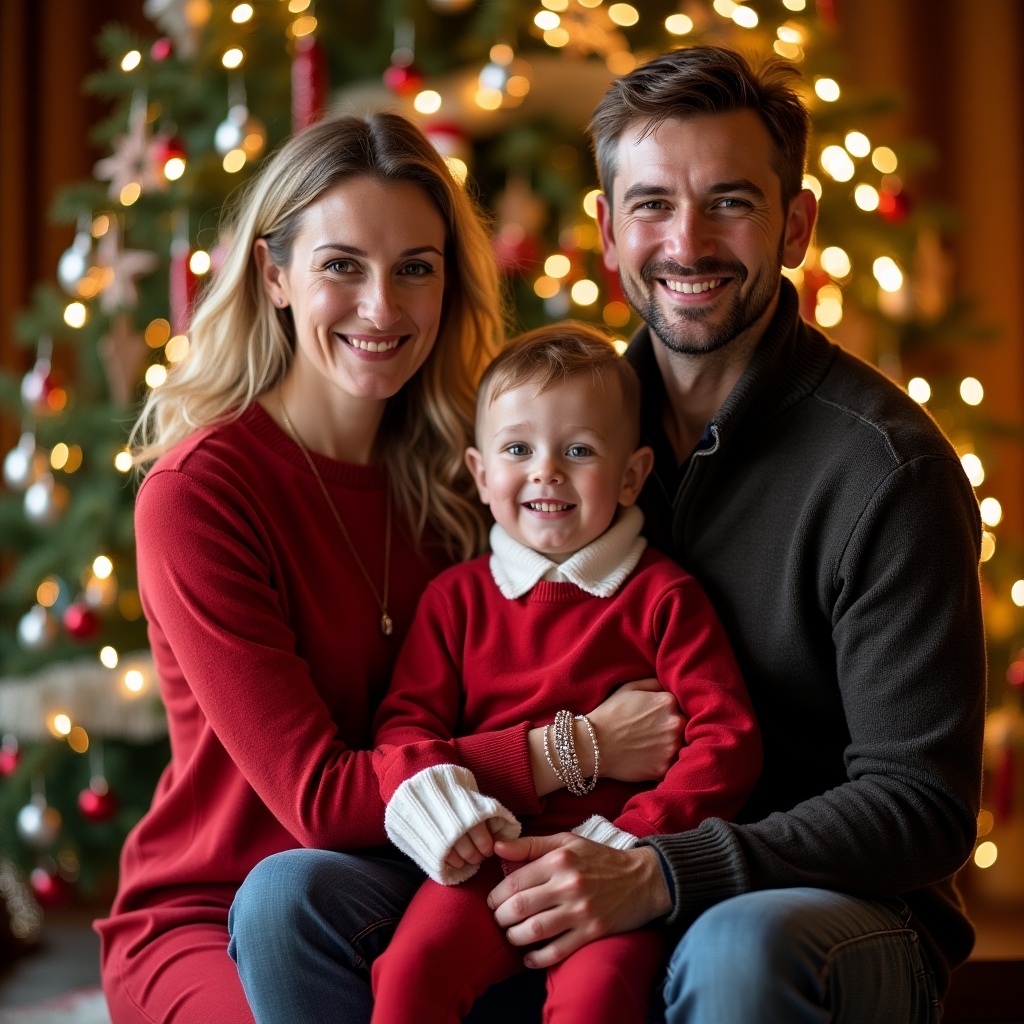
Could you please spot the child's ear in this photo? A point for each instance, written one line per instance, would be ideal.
(640, 464)
(475, 462)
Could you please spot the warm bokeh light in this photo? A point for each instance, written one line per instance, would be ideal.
(123, 461)
(866, 197)
(745, 17)
(835, 261)
(557, 265)
(131, 60)
(108, 657)
(590, 202)
(156, 375)
(134, 681)
(199, 262)
(546, 20)
(985, 855)
(623, 15)
(678, 24)
(883, 159)
(836, 161)
(75, 314)
(427, 102)
(988, 545)
(857, 144)
(241, 13)
(827, 89)
(991, 511)
(234, 161)
(887, 274)
(102, 566)
(971, 391)
(584, 292)
(546, 287)
(233, 57)
(973, 468)
(177, 348)
(1017, 593)
(919, 389)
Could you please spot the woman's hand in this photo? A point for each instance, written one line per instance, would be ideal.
(639, 730)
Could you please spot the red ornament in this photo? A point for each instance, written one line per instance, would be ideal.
(814, 281)
(403, 80)
(161, 49)
(80, 621)
(182, 284)
(893, 206)
(50, 889)
(309, 82)
(8, 761)
(167, 148)
(97, 804)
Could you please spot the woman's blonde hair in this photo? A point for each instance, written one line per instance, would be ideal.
(241, 345)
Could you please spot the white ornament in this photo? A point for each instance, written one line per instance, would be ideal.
(19, 461)
(38, 823)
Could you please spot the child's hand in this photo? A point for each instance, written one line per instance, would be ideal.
(474, 847)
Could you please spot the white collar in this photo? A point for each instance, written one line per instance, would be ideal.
(600, 568)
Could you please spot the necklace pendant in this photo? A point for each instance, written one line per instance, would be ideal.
(386, 625)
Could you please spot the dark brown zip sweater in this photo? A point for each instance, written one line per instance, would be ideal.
(831, 524)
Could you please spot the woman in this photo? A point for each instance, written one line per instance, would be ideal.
(307, 483)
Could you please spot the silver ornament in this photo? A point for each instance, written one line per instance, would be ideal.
(45, 500)
(36, 629)
(18, 463)
(230, 132)
(74, 263)
(38, 823)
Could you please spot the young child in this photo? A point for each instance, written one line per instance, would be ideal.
(570, 604)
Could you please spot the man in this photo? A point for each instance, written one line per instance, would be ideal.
(834, 530)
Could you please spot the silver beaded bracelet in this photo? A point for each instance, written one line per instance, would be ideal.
(567, 771)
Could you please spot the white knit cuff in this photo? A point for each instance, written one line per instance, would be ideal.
(602, 831)
(430, 812)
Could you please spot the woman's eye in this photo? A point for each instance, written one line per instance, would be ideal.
(417, 269)
(341, 266)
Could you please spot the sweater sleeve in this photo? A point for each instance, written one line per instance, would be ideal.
(416, 723)
(907, 629)
(720, 759)
(210, 582)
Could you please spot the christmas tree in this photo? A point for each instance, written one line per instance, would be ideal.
(504, 89)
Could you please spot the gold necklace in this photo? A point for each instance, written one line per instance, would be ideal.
(386, 625)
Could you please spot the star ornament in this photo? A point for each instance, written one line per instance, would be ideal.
(135, 158)
(120, 269)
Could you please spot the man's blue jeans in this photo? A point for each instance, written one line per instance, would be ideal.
(800, 956)
(306, 925)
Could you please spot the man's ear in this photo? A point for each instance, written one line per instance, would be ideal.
(475, 462)
(803, 211)
(270, 273)
(640, 464)
(609, 253)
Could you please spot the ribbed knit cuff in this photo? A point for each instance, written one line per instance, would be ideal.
(602, 831)
(706, 865)
(430, 812)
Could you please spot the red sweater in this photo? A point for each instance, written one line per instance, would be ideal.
(271, 662)
(475, 661)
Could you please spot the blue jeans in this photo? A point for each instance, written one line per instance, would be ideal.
(800, 956)
(306, 925)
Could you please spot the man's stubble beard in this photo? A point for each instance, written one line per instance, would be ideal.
(678, 335)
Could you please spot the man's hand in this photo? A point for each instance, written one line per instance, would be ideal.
(473, 848)
(572, 891)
